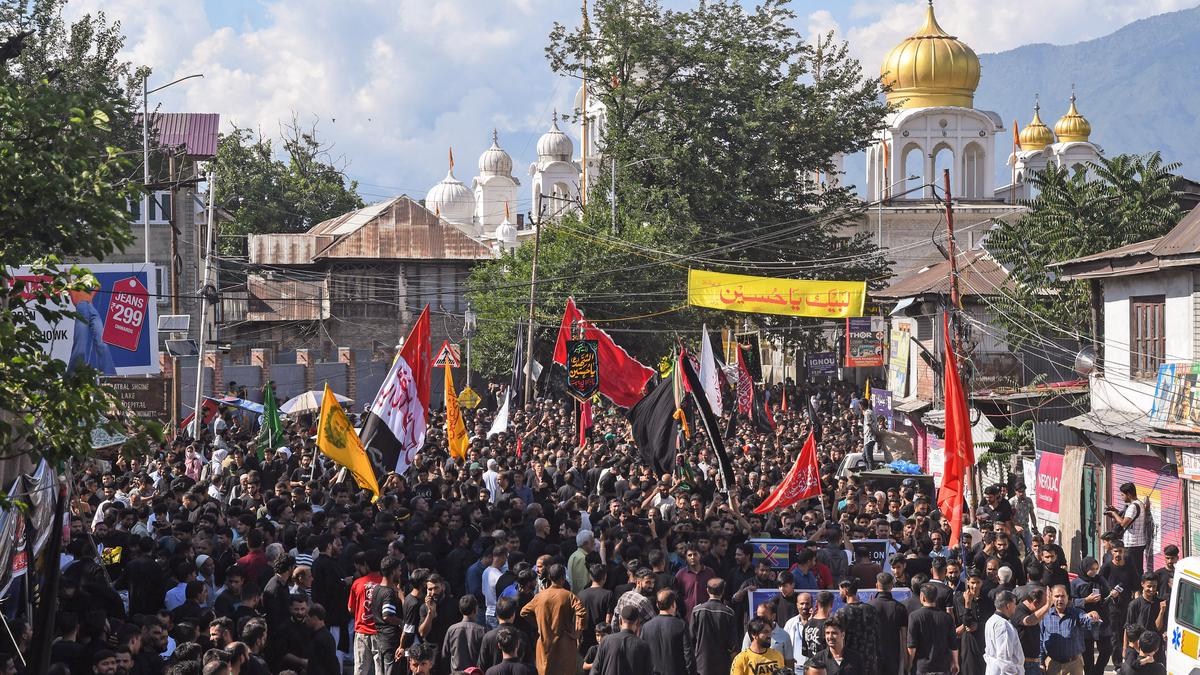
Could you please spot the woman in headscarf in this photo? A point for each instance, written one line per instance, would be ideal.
(1093, 591)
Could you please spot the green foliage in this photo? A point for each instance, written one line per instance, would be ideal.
(1128, 200)
(276, 195)
(719, 120)
(1016, 438)
(63, 185)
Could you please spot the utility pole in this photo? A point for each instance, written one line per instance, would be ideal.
(208, 265)
(174, 276)
(145, 168)
(956, 306)
(584, 131)
(537, 236)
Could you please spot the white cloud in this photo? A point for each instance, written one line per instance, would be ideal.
(395, 82)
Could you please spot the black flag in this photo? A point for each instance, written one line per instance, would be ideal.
(711, 427)
(653, 421)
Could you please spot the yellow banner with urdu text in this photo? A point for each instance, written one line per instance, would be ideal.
(337, 440)
(771, 295)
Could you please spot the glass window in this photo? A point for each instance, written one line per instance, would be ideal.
(1187, 604)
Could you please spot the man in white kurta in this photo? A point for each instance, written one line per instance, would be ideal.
(1002, 649)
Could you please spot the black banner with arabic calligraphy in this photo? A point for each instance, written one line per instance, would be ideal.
(583, 368)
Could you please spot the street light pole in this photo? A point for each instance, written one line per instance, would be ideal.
(208, 260)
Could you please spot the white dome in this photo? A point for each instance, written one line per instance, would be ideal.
(452, 200)
(494, 161)
(506, 234)
(554, 144)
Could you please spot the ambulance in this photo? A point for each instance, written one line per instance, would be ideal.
(1183, 619)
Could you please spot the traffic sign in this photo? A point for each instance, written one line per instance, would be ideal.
(447, 351)
(467, 398)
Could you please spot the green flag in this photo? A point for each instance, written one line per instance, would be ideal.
(270, 436)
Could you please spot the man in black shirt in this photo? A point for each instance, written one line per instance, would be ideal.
(385, 605)
(1146, 661)
(932, 646)
(838, 659)
(893, 626)
(1122, 579)
(1035, 603)
(1147, 609)
(599, 602)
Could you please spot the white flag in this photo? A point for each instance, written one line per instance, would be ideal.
(500, 424)
(395, 428)
(710, 381)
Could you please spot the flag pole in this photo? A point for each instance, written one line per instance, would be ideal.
(955, 305)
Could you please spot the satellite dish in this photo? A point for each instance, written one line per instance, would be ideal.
(1085, 361)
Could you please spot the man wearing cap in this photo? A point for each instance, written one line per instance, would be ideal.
(577, 564)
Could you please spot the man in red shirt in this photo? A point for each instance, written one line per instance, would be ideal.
(693, 580)
(366, 656)
(255, 562)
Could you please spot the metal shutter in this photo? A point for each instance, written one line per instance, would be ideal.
(1157, 482)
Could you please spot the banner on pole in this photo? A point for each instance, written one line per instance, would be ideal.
(583, 368)
(772, 295)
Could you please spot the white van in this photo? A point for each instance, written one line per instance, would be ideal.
(1183, 619)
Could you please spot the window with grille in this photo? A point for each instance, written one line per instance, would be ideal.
(1147, 335)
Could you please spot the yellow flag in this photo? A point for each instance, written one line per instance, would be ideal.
(337, 440)
(867, 395)
(456, 431)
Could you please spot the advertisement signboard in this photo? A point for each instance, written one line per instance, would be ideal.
(898, 346)
(144, 397)
(822, 363)
(1049, 474)
(864, 342)
(116, 330)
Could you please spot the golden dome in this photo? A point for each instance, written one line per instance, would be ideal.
(931, 68)
(1036, 135)
(1072, 127)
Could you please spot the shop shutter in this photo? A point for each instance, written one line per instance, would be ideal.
(1193, 518)
(1157, 482)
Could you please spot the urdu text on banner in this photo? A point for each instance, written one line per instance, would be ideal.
(771, 295)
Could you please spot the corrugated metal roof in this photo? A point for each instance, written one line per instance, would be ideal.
(978, 273)
(286, 299)
(287, 249)
(195, 131)
(1180, 246)
(402, 229)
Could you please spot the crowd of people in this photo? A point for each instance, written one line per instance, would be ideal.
(539, 554)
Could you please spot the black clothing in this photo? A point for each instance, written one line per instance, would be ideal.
(276, 601)
(851, 663)
(330, 590)
(670, 646)
(387, 636)
(489, 651)
(322, 654)
(971, 643)
(931, 634)
(1144, 613)
(714, 632)
(599, 603)
(1030, 637)
(1136, 667)
(892, 617)
(510, 667)
(622, 654)
(814, 637)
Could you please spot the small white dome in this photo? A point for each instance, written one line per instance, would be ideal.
(506, 234)
(554, 144)
(494, 161)
(451, 200)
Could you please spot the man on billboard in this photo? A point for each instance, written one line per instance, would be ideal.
(88, 348)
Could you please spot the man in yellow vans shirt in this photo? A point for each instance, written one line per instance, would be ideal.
(759, 658)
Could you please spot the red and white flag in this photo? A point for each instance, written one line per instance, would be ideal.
(802, 482)
(395, 428)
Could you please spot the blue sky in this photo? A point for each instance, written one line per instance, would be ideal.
(392, 84)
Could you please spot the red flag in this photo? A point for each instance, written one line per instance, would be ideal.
(210, 410)
(417, 353)
(622, 377)
(745, 385)
(960, 450)
(802, 482)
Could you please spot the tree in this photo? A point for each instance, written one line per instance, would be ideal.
(1116, 201)
(64, 186)
(276, 195)
(719, 120)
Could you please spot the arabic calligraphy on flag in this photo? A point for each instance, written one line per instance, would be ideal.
(770, 295)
